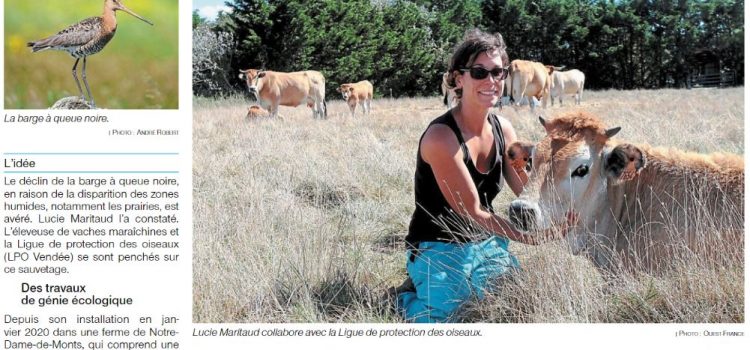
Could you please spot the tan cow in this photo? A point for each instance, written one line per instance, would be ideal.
(357, 93)
(449, 94)
(567, 83)
(639, 206)
(530, 79)
(287, 89)
(255, 112)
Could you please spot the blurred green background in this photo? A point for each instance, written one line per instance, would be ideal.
(138, 69)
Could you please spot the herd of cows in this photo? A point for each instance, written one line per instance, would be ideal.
(528, 81)
(631, 199)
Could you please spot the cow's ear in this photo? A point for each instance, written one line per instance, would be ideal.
(550, 69)
(519, 154)
(261, 74)
(624, 162)
(351, 89)
(544, 123)
(612, 132)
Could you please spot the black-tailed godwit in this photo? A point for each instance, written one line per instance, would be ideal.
(86, 38)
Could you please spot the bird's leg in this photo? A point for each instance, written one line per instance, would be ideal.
(85, 82)
(75, 76)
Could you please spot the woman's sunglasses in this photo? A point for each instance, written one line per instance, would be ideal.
(479, 73)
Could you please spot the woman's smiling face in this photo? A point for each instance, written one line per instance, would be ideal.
(482, 92)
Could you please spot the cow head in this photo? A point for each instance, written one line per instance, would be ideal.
(252, 79)
(570, 169)
(346, 90)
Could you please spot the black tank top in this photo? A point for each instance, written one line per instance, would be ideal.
(433, 219)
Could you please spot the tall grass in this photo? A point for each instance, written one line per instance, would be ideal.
(136, 70)
(302, 220)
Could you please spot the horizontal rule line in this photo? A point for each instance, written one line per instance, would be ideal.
(90, 172)
(87, 154)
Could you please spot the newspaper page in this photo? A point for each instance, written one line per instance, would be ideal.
(238, 174)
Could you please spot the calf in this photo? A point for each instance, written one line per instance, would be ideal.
(357, 93)
(255, 112)
(639, 205)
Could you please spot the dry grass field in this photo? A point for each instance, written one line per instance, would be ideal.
(302, 220)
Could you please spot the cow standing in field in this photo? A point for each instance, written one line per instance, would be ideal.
(530, 79)
(287, 89)
(449, 94)
(358, 93)
(567, 83)
(639, 206)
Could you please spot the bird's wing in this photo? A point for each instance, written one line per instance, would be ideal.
(75, 35)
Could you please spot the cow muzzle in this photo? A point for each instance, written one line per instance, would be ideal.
(253, 92)
(523, 215)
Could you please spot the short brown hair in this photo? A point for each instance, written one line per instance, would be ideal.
(475, 42)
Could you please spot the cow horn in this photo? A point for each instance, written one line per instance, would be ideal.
(612, 132)
(544, 122)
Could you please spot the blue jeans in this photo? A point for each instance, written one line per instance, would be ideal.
(446, 275)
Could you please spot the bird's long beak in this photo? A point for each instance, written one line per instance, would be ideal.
(122, 7)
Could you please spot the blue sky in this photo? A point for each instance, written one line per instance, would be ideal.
(209, 8)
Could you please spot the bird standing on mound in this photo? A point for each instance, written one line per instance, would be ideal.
(86, 38)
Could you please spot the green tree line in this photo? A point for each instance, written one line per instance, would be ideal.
(402, 47)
